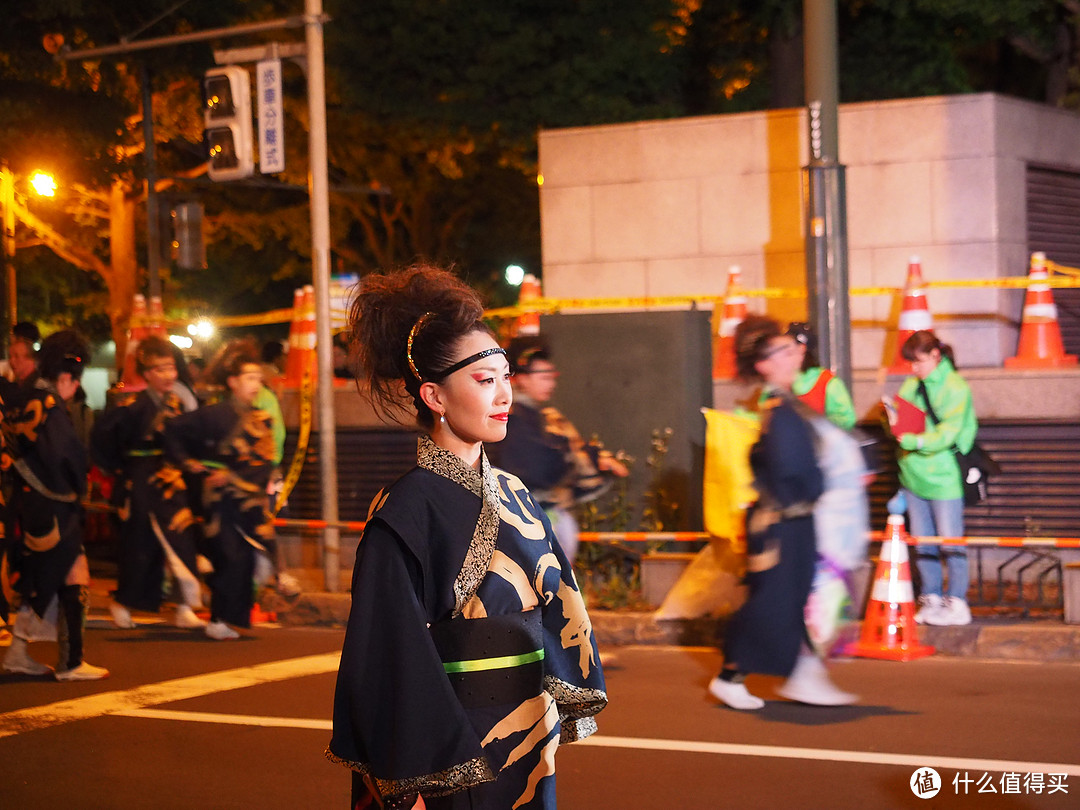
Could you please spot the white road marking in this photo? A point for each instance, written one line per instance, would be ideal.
(827, 755)
(133, 703)
(83, 708)
(229, 719)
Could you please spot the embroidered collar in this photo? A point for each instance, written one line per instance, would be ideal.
(481, 483)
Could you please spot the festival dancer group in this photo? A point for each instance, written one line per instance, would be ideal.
(187, 483)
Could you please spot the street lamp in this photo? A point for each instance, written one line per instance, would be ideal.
(43, 184)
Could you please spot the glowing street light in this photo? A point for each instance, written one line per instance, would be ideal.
(203, 329)
(43, 183)
(514, 275)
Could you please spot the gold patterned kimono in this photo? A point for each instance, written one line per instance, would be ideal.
(469, 654)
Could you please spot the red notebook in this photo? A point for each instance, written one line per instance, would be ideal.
(909, 418)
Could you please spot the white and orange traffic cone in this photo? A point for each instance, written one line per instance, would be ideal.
(301, 357)
(292, 373)
(528, 323)
(155, 319)
(889, 630)
(914, 314)
(1040, 335)
(734, 312)
(130, 380)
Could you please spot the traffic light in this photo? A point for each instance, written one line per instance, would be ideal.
(227, 118)
(190, 250)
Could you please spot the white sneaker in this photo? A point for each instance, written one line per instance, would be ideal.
(734, 695)
(288, 585)
(954, 613)
(219, 631)
(18, 660)
(930, 605)
(121, 616)
(83, 672)
(809, 683)
(187, 618)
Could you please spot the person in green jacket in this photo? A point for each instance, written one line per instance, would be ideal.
(930, 475)
(818, 387)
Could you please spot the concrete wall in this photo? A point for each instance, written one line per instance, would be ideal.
(665, 207)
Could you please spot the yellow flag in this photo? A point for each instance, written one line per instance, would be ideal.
(729, 484)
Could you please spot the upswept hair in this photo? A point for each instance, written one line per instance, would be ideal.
(752, 337)
(62, 351)
(382, 315)
(923, 342)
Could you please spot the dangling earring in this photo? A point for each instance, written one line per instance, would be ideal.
(442, 418)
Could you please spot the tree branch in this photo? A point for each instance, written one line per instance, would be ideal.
(61, 247)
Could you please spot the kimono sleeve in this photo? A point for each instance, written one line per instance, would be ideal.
(791, 471)
(573, 674)
(112, 435)
(183, 438)
(396, 717)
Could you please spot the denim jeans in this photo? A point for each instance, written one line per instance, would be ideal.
(941, 519)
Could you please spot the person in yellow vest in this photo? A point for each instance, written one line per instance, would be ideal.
(818, 387)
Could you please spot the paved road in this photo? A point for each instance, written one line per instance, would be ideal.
(186, 723)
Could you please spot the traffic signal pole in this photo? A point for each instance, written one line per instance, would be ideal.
(312, 22)
(318, 181)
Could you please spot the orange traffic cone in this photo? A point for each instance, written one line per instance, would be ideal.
(155, 319)
(528, 323)
(724, 332)
(301, 357)
(888, 628)
(914, 314)
(290, 375)
(130, 380)
(1040, 336)
(260, 616)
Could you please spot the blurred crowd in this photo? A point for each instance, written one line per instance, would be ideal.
(184, 464)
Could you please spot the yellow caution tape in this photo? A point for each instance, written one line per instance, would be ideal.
(307, 395)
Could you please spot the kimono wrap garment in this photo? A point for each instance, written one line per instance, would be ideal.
(765, 633)
(237, 525)
(48, 468)
(156, 524)
(469, 654)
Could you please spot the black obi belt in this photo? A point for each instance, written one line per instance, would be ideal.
(494, 660)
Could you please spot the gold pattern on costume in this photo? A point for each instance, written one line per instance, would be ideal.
(465, 775)
(43, 542)
(483, 483)
(505, 568)
(537, 719)
(515, 508)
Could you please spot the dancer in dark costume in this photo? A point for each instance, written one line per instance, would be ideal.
(469, 654)
(44, 521)
(230, 447)
(156, 525)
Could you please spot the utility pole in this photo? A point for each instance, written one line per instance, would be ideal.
(153, 221)
(7, 199)
(319, 183)
(828, 304)
(312, 21)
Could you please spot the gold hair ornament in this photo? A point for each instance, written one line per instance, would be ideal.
(423, 319)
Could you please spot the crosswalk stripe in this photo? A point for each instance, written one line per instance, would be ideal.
(66, 711)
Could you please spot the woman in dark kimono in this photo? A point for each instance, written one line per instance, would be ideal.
(768, 633)
(469, 654)
(229, 447)
(48, 468)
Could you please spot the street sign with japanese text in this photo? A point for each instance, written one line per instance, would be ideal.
(271, 117)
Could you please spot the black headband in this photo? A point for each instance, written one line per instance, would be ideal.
(472, 358)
